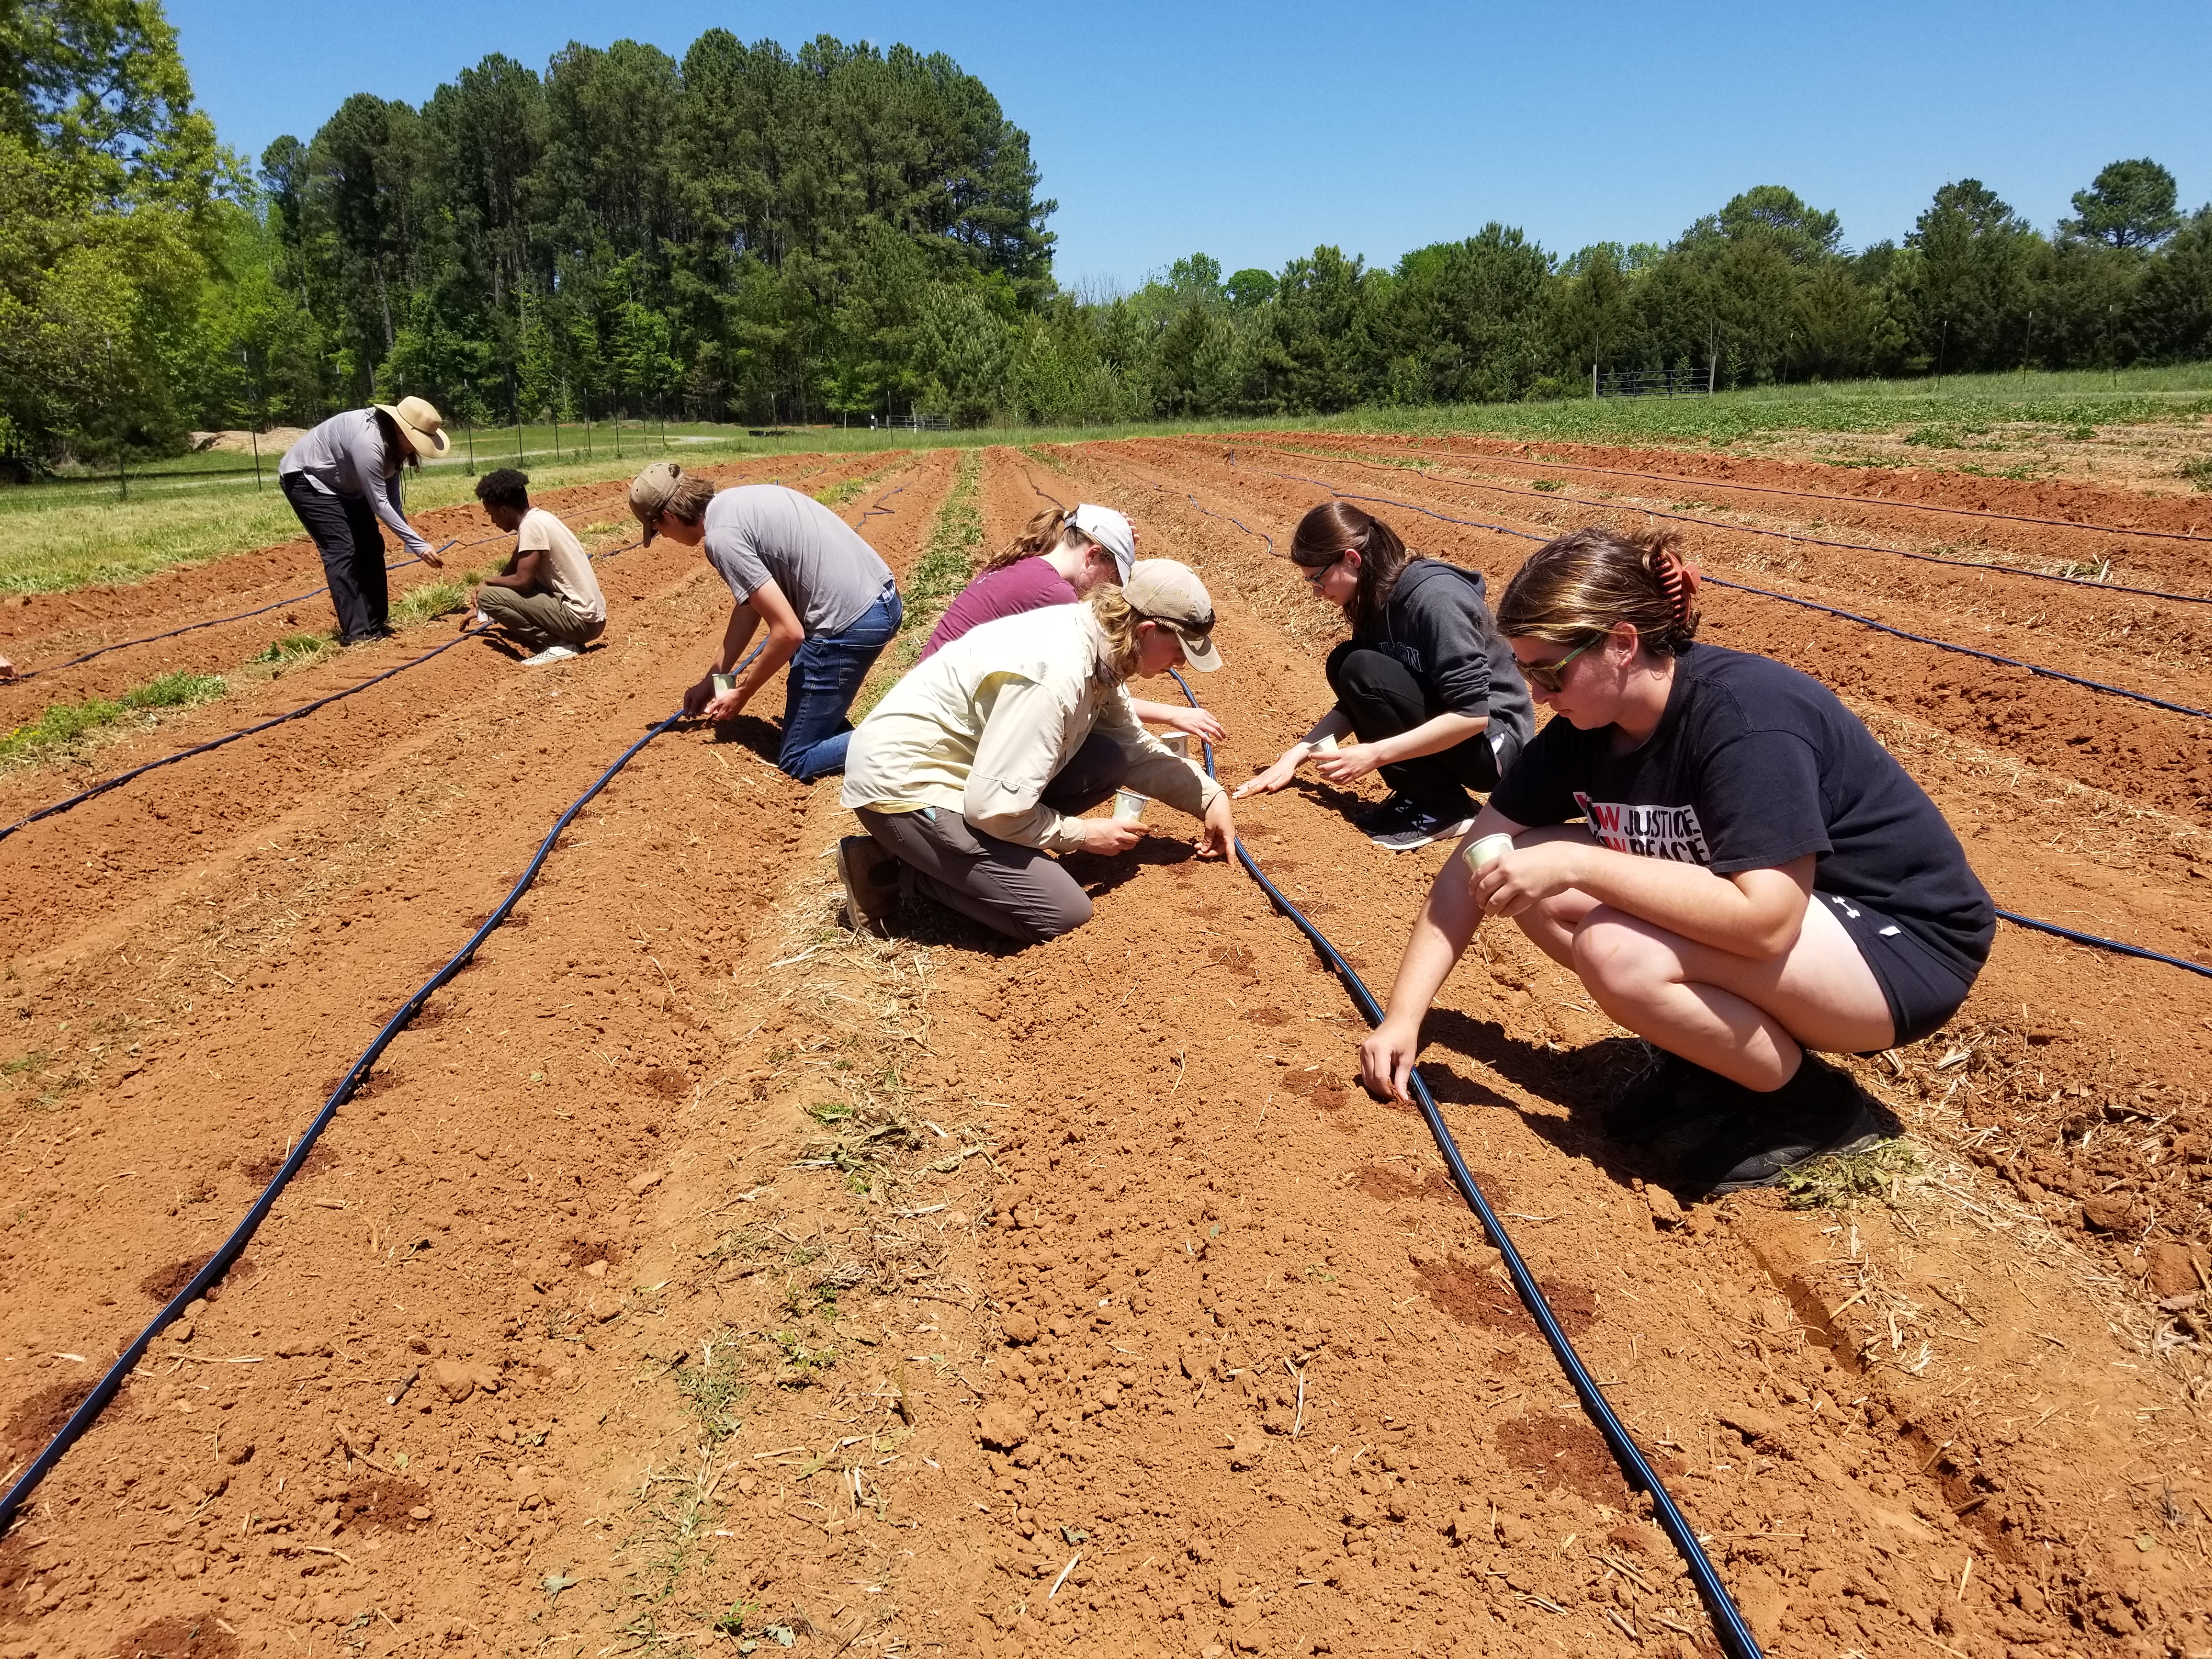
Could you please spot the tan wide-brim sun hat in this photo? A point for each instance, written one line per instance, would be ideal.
(421, 424)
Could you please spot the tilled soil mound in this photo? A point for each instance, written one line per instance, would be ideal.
(697, 1276)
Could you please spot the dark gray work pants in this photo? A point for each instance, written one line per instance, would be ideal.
(1012, 890)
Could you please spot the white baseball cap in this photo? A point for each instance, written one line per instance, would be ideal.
(1112, 531)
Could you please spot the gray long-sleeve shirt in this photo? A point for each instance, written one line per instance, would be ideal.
(346, 456)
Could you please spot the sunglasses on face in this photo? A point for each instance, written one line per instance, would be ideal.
(1550, 676)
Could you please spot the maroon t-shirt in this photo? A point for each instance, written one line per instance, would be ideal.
(1025, 585)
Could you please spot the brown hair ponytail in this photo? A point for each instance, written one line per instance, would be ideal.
(1587, 581)
(1046, 531)
(1323, 537)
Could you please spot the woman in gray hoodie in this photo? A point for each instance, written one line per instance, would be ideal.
(1426, 684)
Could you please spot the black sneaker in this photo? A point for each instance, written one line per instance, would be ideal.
(1819, 1113)
(1669, 1092)
(1402, 823)
(870, 875)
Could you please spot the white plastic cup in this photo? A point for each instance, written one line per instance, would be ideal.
(725, 682)
(1129, 806)
(1487, 851)
(1325, 745)
(1178, 743)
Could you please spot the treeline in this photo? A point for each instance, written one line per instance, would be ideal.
(844, 233)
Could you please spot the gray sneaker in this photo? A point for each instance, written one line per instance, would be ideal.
(551, 653)
(870, 876)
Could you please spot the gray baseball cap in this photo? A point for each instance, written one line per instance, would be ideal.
(1112, 531)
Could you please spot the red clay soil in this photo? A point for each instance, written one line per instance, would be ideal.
(2069, 500)
(42, 629)
(761, 1285)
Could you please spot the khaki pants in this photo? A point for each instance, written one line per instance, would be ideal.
(536, 620)
(1012, 889)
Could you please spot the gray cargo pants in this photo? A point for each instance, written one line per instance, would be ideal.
(1016, 891)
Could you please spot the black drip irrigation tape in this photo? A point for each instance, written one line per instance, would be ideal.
(105, 1390)
(212, 621)
(2103, 944)
(1735, 1634)
(305, 708)
(1791, 536)
(1969, 651)
(876, 507)
(1786, 598)
(1819, 495)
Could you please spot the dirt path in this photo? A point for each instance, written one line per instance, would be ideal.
(921, 1295)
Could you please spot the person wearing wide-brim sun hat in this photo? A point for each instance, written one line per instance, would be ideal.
(341, 479)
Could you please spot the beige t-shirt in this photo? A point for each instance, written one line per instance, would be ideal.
(563, 568)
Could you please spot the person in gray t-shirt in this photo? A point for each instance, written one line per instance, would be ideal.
(830, 603)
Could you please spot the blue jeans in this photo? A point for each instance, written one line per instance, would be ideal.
(819, 686)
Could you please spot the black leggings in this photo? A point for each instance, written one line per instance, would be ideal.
(1383, 697)
(346, 534)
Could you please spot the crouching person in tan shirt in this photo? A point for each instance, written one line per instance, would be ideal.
(546, 598)
(973, 770)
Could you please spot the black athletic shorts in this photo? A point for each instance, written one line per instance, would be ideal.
(1922, 990)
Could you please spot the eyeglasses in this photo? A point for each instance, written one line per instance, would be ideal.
(1551, 676)
(1314, 573)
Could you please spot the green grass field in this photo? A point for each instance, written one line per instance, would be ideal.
(52, 540)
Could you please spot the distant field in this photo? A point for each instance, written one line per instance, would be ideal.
(56, 539)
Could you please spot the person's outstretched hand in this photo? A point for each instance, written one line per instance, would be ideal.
(1386, 1060)
(1349, 764)
(1218, 839)
(1198, 723)
(1277, 776)
(1108, 836)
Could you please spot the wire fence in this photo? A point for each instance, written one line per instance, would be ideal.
(1652, 382)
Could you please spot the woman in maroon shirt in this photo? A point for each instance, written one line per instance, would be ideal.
(1060, 556)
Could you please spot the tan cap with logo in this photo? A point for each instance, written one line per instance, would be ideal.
(1166, 592)
(649, 492)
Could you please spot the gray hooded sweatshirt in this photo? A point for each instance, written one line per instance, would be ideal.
(1438, 623)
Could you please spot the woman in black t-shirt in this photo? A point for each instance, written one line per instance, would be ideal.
(1753, 876)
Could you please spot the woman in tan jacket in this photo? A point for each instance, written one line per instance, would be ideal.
(973, 770)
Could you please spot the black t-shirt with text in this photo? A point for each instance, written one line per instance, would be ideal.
(1754, 764)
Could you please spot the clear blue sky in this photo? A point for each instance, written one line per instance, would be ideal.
(1253, 132)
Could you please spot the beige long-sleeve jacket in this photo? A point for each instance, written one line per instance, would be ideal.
(985, 725)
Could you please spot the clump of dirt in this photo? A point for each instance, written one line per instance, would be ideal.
(663, 1082)
(39, 1418)
(163, 1282)
(178, 1639)
(1560, 1451)
(263, 1169)
(1392, 1187)
(1319, 1085)
(382, 1503)
(582, 1252)
(1266, 1017)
